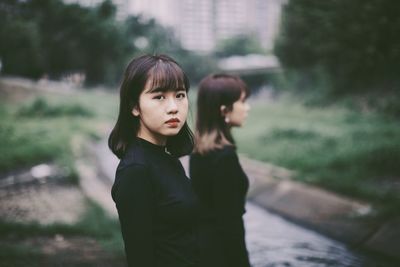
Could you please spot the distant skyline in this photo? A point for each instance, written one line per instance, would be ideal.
(200, 25)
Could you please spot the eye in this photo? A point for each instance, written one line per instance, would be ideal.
(180, 95)
(159, 97)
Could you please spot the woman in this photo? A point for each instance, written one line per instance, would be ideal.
(156, 205)
(217, 177)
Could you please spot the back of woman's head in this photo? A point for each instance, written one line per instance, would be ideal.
(156, 71)
(215, 91)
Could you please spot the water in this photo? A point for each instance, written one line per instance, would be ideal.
(275, 242)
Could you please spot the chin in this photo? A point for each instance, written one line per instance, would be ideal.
(171, 132)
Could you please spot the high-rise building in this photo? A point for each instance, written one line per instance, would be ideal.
(196, 29)
(200, 25)
(165, 11)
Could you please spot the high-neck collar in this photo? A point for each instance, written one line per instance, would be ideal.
(150, 145)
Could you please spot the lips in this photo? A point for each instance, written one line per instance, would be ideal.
(173, 123)
(173, 120)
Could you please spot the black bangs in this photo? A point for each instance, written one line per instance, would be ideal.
(167, 76)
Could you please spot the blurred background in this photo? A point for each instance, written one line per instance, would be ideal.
(325, 106)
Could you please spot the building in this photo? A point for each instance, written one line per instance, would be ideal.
(200, 25)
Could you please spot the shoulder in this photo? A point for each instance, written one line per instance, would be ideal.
(133, 173)
(134, 155)
(225, 153)
(131, 170)
(226, 150)
(131, 178)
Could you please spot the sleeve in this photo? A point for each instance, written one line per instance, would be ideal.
(134, 199)
(229, 204)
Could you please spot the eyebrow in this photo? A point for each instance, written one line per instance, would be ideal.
(162, 90)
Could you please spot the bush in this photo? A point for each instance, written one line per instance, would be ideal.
(355, 43)
(41, 108)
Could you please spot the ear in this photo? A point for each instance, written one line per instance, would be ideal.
(223, 110)
(135, 111)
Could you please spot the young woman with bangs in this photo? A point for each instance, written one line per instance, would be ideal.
(217, 177)
(156, 205)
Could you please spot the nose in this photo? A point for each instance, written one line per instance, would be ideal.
(172, 107)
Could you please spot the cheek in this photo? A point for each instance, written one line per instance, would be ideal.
(236, 108)
(148, 110)
(184, 106)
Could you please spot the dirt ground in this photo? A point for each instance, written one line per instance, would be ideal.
(44, 202)
(57, 251)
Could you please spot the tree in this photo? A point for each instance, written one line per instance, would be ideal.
(50, 37)
(20, 45)
(161, 40)
(239, 45)
(354, 44)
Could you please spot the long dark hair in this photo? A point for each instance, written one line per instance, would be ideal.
(165, 73)
(214, 91)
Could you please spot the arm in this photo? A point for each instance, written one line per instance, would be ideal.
(133, 195)
(229, 196)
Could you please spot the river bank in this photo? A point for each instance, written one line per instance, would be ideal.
(336, 215)
(342, 218)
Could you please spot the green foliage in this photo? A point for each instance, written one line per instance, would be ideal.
(355, 43)
(160, 40)
(195, 66)
(41, 108)
(239, 45)
(332, 146)
(25, 145)
(20, 41)
(49, 37)
(41, 129)
(107, 9)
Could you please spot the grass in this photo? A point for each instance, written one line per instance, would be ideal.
(354, 153)
(334, 146)
(39, 128)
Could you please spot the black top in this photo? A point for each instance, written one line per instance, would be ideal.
(157, 208)
(221, 185)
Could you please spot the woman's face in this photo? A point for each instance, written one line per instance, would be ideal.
(161, 114)
(238, 114)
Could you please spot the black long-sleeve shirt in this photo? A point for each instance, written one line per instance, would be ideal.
(157, 208)
(221, 186)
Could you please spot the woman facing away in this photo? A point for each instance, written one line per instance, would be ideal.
(156, 205)
(217, 177)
